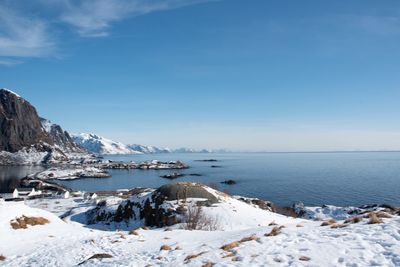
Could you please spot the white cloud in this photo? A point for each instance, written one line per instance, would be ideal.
(25, 36)
(93, 18)
(21, 36)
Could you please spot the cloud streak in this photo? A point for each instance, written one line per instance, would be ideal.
(21, 36)
(93, 18)
(25, 36)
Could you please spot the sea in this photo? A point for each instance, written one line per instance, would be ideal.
(334, 178)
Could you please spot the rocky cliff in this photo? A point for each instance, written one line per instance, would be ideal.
(20, 126)
(25, 138)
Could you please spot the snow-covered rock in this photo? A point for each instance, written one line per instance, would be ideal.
(71, 173)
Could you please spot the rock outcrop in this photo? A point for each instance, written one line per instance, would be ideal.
(24, 139)
(20, 126)
(62, 139)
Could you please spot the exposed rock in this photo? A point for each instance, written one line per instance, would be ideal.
(172, 176)
(186, 190)
(229, 182)
(61, 138)
(20, 126)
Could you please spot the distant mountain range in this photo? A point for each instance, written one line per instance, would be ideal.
(101, 145)
(26, 138)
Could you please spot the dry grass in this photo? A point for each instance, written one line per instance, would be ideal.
(299, 225)
(273, 223)
(2, 258)
(208, 264)
(193, 256)
(230, 246)
(249, 238)
(275, 231)
(165, 247)
(236, 259)
(353, 220)
(338, 225)
(382, 214)
(133, 232)
(304, 258)
(374, 219)
(229, 255)
(328, 222)
(178, 248)
(24, 221)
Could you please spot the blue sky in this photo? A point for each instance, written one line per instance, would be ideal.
(243, 75)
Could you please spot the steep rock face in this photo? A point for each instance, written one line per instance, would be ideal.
(20, 125)
(61, 138)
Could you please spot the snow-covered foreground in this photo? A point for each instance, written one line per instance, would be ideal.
(65, 242)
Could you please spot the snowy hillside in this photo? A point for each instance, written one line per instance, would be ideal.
(100, 145)
(245, 235)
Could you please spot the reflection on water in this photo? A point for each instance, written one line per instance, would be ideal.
(10, 176)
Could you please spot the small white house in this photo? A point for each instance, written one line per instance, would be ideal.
(18, 192)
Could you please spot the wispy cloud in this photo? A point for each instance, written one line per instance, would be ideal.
(9, 62)
(22, 36)
(93, 18)
(25, 36)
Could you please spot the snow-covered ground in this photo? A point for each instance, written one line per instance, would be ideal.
(66, 242)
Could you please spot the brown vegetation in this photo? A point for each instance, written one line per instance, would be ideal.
(193, 256)
(374, 219)
(338, 225)
(230, 246)
(304, 258)
(24, 221)
(249, 238)
(353, 220)
(208, 264)
(275, 231)
(165, 247)
(196, 219)
(382, 214)
(133, 232)
(2, 258)
(328, 222)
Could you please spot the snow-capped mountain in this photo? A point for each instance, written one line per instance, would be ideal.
(23, 137)
(100, 145)
(62, 139)
(149, 149)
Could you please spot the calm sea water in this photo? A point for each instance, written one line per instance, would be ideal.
(314, 178)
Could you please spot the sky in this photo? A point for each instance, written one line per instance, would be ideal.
(241, 75)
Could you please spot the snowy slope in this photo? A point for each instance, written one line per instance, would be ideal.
(100, 145)
(300, 243)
